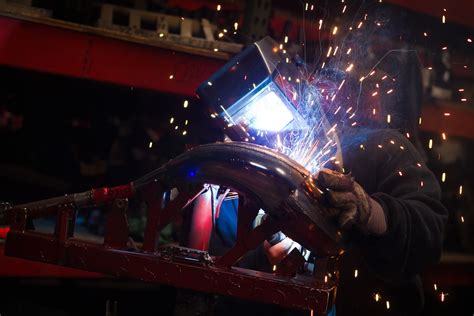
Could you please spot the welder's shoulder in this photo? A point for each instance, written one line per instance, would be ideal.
(392, 144)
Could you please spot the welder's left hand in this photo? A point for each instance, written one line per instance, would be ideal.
(349, 204)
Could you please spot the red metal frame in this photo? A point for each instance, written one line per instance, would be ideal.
(176, 266)
(65, 52)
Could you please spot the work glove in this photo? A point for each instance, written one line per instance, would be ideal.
(346, 201)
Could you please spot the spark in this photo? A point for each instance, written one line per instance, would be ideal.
(400, 173)
(408, 135)
(218, 7)
(425, 34)
(356, 273)
(462, 219)
(360, 25)
(377, 297)
(379, 146)
(388, 118)
(335, 50)
(209, 83)
(349, 51)
(461, 90)
(171, 120)
(171, 77)
(447, 114)
(430, 143)
(342, 83)
(463, 100)
(387, 304)
(435, 287)
(161, 35)
(329, 51)
(419, 120)
(186, 122)
(469, 40)
(422, 183)
(334, 31)
(344, 9)
(443, 296)
(320, 24)
(286, 39)
(443, 135)
(443, 19)
(389, 91)
(384, 77)
(221, 35)
(402, 148)
(150, 145)
(443, 177)
(348, 69)
(375, 93)
(184, 133)
(236, 26)
(185, 104)
(373, 111)
(460, 190)
(274, 268)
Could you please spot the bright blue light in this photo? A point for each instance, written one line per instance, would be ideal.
(268, 113)
(264, 109)
(192, 173)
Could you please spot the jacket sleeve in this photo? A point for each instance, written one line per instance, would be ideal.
(409, 194)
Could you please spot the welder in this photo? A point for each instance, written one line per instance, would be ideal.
(387, 203)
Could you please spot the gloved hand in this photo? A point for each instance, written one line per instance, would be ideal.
(348, 203)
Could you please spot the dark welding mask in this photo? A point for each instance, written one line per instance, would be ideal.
(252, 97)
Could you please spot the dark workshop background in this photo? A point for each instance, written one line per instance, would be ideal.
(90, 99)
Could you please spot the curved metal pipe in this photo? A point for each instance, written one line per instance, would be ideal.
(278, 184)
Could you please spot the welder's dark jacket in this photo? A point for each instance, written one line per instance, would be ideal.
(391, 170)
(397, 178)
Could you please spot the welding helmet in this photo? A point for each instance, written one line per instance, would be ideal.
(261, 96)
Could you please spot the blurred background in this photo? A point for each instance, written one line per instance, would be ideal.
(97, 93)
